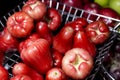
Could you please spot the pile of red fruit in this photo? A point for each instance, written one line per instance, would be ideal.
(68, 54)
(92, 6)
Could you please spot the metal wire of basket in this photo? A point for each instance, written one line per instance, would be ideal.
(104, 70)
(72, 13)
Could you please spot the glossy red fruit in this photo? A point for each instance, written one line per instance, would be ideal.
(81, 21)
(98, 32)
(57, 58)
(4, 75)
(35, 8)
(76, 27)
(55, 74)
(1, 57)
(21, 77)
(77, 63)
(54, 19)
(63, 41)
(77, 24)
(73, 3)
(28, 41)
(38, 56)
(92, 8)
(109, 13)
(22, 68)
(44, 31)
(7, 41)
(20, 24)
(82, 41)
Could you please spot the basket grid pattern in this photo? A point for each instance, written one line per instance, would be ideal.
(13, 57)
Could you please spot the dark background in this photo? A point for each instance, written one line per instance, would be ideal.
(7, 5)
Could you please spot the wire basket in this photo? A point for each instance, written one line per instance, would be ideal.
(68, 13)
(110, 62)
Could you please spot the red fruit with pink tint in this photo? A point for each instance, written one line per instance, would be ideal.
(57, 58)
(4, 75)
(38, 56)
(109, 13)
(35, 8)
(63, 41)
(7, 41)
(77, 63)
(82, 41)
(43, 30)
(28, 41)
(56, 74)
(20, 24)
(22, 68)
(82, 21)
(98, 32)
(91, 8)
(20, 77)
(54, 19)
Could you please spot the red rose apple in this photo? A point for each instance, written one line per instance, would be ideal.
(91, 8)
(38, 56)
(63, 41)
(77, 63)
(7, 41)
(35, 8)
(56, 74)
(44, 31)
(4, 75)
(23, 69)
(109, 13)
(98, 32)
(57, 58)
(54, 19)
(20, 24)
(20, 77)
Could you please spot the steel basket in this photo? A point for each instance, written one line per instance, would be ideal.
(68, 15)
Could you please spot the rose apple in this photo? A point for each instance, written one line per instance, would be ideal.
(53, 18)
(57, 58)
(20, 24)
(63, 41)
(78, 24)
(73, 3)
(35, 8)
(110, 13)
(82, 41)
(81, 21)
(115, 5)
(22, 68)
(75, 26)
(1, 57)
(98, 32)
(7, 41)
(77, 63)
(28, 41)
(91, 8)
(4, 75)
(20, 77)
(55, 74)
(38, 56)
(44, 31)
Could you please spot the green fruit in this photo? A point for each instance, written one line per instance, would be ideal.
(102, 3)
(115, 5)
